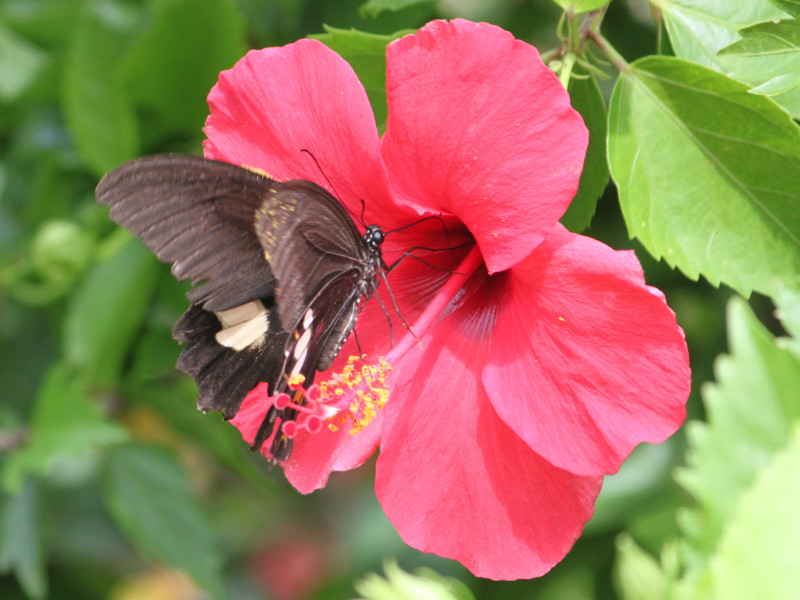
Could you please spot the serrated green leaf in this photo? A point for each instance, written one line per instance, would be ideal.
(767, 59)
(148, 494)
(20, 64)
(98, 113)
(173, 65)
(366, 53)
(375, 7)
(107, 311)
(698, 29)
(791, 7)
(20, 540)
(707, 174)
(750, 409)
(637, 575)
(757, 556)
(65, 423)
(400, 585)
(581, 6)
(588, 100)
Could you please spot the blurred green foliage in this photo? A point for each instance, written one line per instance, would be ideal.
(111, 478)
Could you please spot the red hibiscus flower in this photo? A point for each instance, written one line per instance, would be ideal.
(540, 357)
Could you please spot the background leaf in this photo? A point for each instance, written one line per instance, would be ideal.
(638, 574)
(98, 112)
(766, 58)
(706, 174)
(588, 100)
(149, 496)
(751, 409)
(65, 424)
(757, 555)
(792, 7)
(366, 53)
(172, 66)
(20, 63)
(788, 302)
(106, 313)
(698, 29)
(374, 7)
(581, 6)
(20, 540)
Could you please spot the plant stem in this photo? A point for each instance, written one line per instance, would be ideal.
(566, 70)
(615, 57)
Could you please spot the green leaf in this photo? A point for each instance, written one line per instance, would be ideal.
(20, 540)
(791, 7)
(750, 411)
(148, 494)
(366, 53)
(375, 7)
(757, 555)
(637, 575)
(107, 311)
(20, 63)
(581, 6)
(65, 423)
(698, 29)
(767, 58)
(788, 303)
(642, 482)
(588, 100)
(49, 23)
(175, 402)
(98, 113)
(173, 65)
(707, 174)
(399, 585)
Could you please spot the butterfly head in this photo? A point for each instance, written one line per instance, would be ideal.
(373, 237)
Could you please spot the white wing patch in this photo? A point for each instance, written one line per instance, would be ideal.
(243, 326)
(301, 347)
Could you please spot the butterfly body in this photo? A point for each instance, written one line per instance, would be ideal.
(278, 269)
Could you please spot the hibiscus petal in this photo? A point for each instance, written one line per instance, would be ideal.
(276, 102)
(480, 128)
(455, 481)
(316, 456)
(586, 361)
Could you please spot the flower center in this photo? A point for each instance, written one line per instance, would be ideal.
(446, 293)
(352, 397)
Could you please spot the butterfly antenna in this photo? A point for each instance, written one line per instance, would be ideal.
(333, 187)
(410, 254)
(422, 220)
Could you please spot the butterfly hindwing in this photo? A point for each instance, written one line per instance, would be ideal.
(315, 341)
(227, 368)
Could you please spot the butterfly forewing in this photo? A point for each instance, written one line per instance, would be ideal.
(307, 238)
(198, 215)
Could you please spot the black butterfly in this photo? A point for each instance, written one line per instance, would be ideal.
(283, 270)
